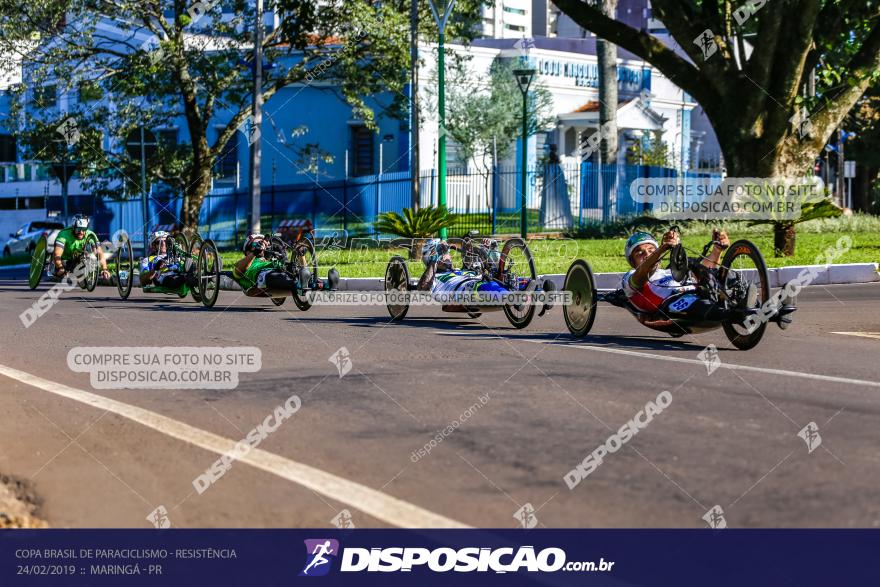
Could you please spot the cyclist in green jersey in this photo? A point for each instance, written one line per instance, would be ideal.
(258, 276)
(69, 246)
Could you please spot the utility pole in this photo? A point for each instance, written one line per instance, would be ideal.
(414, 106)
(257, 122)
(144, 206)
(441, 98)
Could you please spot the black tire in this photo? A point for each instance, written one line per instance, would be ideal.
(195, 247)
(397, 281)
(124, 267)
(278, 301)
(474, 315)
(510, 270)
(737, 334)
(90, 262)
(38, 263)
(208, 274)
(303, 255)
(581, 313)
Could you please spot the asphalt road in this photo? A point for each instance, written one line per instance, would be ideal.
(729, 438)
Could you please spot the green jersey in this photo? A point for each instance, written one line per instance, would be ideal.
(72, 246)
(249, 278)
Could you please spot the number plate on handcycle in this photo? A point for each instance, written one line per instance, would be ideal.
(683, 303)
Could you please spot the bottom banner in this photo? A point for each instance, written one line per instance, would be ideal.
(438, 557)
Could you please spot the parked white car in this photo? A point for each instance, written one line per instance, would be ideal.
(25, 238)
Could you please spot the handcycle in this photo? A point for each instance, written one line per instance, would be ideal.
(296, 259)
(485, 271)
(190, 254)
(84, 264)
(734, 296)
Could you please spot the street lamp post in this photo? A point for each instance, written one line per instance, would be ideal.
(257, 122)
(436, 7)
(524, 80)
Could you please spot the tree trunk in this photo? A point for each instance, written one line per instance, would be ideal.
(195, 192)
(784, 237)
(606, 54)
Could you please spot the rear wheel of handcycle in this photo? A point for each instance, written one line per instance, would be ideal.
(90, 262)
(397, 283)
(208, 273)
(38, 263)
(744, 263)
(124, 267)
(303, 257)
(580, 313)
(277, 301)
(515, 264)
(195, 247)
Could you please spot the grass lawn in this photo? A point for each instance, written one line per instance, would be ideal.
(604, 255)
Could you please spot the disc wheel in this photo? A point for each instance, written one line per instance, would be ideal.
(581, 312)
(38, 263)
(208, 274)
(90, 263)
(397, 282)
(743, 264)
(195, 247)
(514, 266)
(124, 267)
(303, 256)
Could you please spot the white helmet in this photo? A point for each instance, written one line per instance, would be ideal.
(157, 236)
(80, 222)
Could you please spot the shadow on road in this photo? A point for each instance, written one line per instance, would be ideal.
(451, 324)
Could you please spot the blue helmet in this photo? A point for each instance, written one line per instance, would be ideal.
(638, 238)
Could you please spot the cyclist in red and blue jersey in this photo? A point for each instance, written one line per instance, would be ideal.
(646, 285)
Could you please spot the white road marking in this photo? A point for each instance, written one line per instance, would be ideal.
(864, 334)
(730, 366)
(370, 501)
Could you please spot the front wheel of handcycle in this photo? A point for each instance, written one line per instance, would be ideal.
(277, 301)
(743, 265)
(195, 247)
(397, 284)
(580, 311)
(516, 268)
(90, 263)
(208, 273)
(303, 257)
(124, 267)
(38, 263)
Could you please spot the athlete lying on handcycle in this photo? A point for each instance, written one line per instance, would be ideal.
(696, 292)
(479, 263)
(69, 248)
(164, 269)
(261, 273)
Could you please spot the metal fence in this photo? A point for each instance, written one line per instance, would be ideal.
(558, 198)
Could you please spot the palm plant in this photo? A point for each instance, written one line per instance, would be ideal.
(419, 225)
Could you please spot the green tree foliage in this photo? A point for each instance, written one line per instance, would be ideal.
(159, 62)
